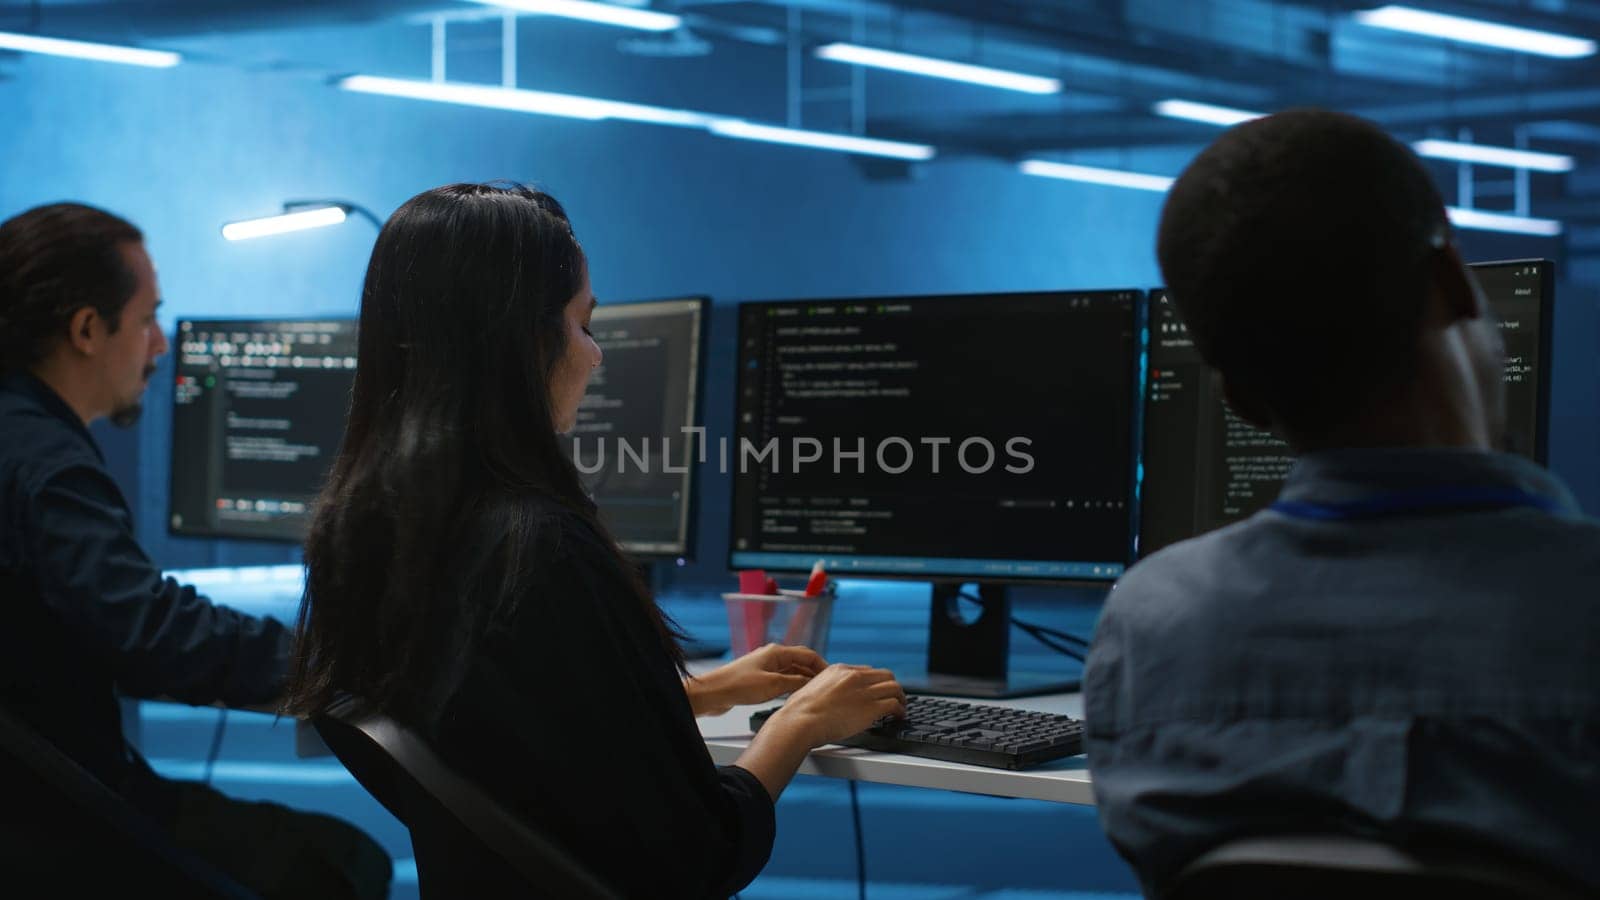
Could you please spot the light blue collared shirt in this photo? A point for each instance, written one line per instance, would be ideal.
(1418, 674)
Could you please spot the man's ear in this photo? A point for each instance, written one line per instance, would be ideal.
(1451, 287)
(85, 330)
(1245, 403)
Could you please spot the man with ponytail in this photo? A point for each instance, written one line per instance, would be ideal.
(88, 616)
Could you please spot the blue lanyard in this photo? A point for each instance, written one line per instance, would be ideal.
(1429, 500)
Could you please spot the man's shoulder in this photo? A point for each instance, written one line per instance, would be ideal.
(1267, 537)
(1184, 569)
(34, 433)
(1218, 580)
(38, 444)
(1553, 551)
(1576, 528)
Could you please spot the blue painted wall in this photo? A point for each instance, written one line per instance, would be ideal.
(660, 211)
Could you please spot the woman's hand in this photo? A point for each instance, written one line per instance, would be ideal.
(756, 677)
(842, 701)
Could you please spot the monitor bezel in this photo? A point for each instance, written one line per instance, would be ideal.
(1546, 341)
(1144, 417)
(222, 534)
(1140, 300)
(691, 531)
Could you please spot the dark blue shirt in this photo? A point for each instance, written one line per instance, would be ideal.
(88, 616)
(1402, 670)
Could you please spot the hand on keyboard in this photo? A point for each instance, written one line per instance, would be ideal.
(993, 736)
(756, 677)
(843, 700)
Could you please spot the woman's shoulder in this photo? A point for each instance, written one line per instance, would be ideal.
(554, 540)
(557, 530)
(564, 559)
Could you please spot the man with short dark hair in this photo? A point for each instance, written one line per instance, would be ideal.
(1406, 645)
(87, 615)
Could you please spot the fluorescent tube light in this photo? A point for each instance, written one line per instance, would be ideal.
(1494, 156)
(1204, 112)
(1479, 220)
(516, 100)
(298, 220)
(822, 140)
(1095, 175)
(592, 109)
(939, 68)
(1476, 31)
(603, 13)
(133, 56)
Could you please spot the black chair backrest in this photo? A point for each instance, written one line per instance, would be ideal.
(63, 823)
(453, 822)
(1318, 866)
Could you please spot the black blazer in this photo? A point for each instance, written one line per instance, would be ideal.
(572, 714)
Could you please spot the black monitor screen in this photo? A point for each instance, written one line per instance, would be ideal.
(1204, 467)
(632, 441)
(987, 437)
(258, 412)
(1519, 294)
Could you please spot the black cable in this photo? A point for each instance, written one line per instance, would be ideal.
(1067, 636)
(1049, 638)
(1044, 635)
(216, 745)
(1036, 629)
(365, 213)
(346, 205)
(861, 848)
(1050, 642)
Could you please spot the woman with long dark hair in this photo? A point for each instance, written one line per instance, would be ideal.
(460, 581)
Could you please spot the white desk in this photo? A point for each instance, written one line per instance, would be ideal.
(727, 736)
(1062, 781)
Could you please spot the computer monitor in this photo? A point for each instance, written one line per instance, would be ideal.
(259, 409)
(633, 442)
(1521, 293)
(1204, 467)
(954, 439)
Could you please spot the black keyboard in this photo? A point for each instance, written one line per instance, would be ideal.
(967, 733)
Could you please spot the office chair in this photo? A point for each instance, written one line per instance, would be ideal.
(66, 829)
(1341, 867)
(466, 843)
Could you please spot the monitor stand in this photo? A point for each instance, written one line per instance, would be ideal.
(970, 659)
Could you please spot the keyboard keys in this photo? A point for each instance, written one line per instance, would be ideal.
(964, 732)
